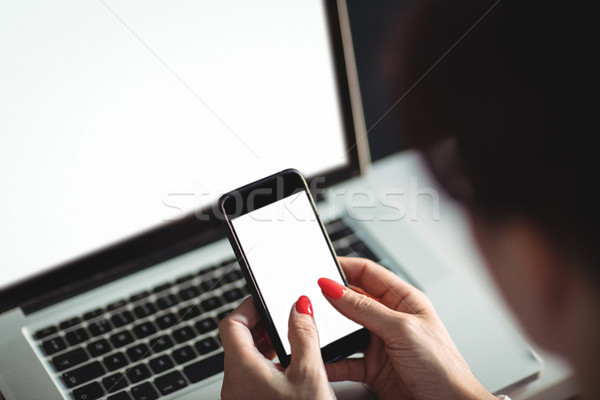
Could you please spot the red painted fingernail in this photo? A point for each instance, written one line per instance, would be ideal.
(331, 288)
(303, 306)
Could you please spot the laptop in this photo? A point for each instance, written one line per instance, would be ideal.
(121, 126)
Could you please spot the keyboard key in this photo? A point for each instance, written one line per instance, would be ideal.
(184, 334)
(93, 314)
(223, 314)
(161, 364)
(188, 312)
(170, 383)
(205, 270)
(139, 296)
(162, 287)
(233, 295)
(183, 354)
(138, 373)
(119, 396)
(83, 374)
(69, 359)
(211, 303)
(144, 329)
(333, 223)
(88, 392)
(210, 284)
(122, 318)
(205, 368)
(184, 278)
(145, 391)
(221, 266)
(77, 336)
(340, 234)
(347, 241)
(70, 323)
(167, 301)
(115, 361)
(121, 339)
(145, 309)
(231, 263)
(166, 321)
(100, 327)
(363, 251)
(99, 347)
(344, 252)
(206, 325)
(116, 304)
(47, 331)
(228, 262)
(233, 276)
(137, 352)
(207, 345)
(161, 343)
(188, 293)
(54, 345)
(115, 382)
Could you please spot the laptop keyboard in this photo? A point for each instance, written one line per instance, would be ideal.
(161, 339)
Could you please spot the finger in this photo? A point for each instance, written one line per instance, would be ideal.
(383, 284)
(353, 369)
(361, 291)
(244, 365)
(262, 341)
(362, 309)
(304, 338)
(235, 330)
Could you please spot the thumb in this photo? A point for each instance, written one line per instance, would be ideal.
(304, 339)
(363, 310)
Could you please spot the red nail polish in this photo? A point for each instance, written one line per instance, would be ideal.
(331, 288)
(304, 306)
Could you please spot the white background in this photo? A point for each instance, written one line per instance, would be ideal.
(288, 253)
(103, 130)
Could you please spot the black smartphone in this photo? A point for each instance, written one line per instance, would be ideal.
(283, 249)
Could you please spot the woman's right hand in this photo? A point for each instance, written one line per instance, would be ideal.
(411, 354)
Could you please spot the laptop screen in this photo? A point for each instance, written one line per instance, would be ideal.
(118, 117)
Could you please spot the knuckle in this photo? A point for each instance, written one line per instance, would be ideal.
(305, 373)
(367, 263)
(307, 330)
(226, 324)
(361, 303)
(407, 326)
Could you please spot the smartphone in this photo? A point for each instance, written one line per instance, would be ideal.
(283, 249)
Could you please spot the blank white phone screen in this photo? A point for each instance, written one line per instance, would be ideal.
(287, 253)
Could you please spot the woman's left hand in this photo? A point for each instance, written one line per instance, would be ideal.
(249, 374)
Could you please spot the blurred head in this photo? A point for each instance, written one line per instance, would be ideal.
(501, 98)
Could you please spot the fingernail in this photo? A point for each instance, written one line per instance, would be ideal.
(303, 306)
(331, 288)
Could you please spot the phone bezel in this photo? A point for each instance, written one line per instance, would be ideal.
(276, 187)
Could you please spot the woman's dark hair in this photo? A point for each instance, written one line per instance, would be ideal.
(502, 98)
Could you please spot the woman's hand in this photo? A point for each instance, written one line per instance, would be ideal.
(249, 371)
(411, 354)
